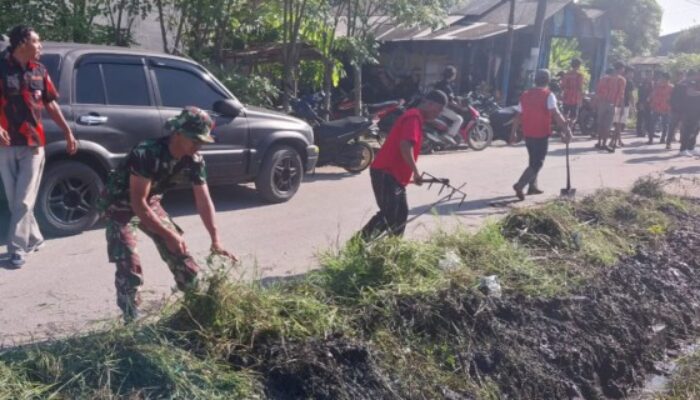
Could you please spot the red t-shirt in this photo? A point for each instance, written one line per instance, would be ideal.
(408, 127)
(661, 98)
(572, 88)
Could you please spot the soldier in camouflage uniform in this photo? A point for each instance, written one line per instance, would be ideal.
(131, 202)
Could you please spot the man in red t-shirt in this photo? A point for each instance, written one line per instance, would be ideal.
(25, 90)
(572, 91)
(537, 107)
(391, 171)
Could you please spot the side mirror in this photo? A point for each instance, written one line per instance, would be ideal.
(228, 107)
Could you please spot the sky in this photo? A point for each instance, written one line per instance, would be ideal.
(679, 14)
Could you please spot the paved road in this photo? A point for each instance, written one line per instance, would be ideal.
(68, 285)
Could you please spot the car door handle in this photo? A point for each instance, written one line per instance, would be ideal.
(92, 120)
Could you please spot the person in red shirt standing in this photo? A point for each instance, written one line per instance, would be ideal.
(25, 90)
(395, 164)
(610, 93)
(537, 108)
(572, 92)
(661, 106)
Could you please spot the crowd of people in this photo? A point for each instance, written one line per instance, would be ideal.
(661, 105)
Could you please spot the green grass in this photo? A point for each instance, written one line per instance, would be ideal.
(686, 382)
(209, 344)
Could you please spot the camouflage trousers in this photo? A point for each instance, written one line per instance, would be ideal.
(121, 232)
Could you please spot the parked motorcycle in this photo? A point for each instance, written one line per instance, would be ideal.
(587, 117)
(340, 143)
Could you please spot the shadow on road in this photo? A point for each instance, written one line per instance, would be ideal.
(660, 150)
(452, 207)
(695, 169)
(651, 159)
(327, 176)
(180, 203)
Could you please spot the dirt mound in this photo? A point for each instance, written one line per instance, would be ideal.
(597, 343)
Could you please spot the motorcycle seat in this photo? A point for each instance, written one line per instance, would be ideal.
(341, 126)
(373, 108)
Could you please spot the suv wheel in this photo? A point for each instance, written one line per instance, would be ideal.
(280, 175)
(67, 198)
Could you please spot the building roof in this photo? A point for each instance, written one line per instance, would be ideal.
(479, 19)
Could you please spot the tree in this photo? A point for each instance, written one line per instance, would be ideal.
(362, 17)
(637, 22)
(688, 41)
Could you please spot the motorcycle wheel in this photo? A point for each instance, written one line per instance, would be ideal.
(480, 136)
(427, 147)
(357, 157)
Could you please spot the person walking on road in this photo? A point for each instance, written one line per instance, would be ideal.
(572, 92)
(622, 113)
(610, 93)
(395, 164)
(677, 103)
(131, 202)
(691, 115)
(643, 103)
(661, 106)
(536, 109)
(25, 90)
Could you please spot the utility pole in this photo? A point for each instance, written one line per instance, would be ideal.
(507, 58)
(537, 39)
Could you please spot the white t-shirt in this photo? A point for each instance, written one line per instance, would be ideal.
(551, 104)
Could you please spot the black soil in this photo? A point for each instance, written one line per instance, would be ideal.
(599, 343)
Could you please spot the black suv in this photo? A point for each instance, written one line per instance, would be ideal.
(115, 97)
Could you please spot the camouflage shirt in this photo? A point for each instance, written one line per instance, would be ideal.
(152, 160)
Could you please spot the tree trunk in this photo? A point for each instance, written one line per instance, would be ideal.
(327, 87)
(357, 74)
(163, 31)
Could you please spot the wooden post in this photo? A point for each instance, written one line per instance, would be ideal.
(507, 58)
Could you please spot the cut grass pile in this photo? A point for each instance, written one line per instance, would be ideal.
(222, 342)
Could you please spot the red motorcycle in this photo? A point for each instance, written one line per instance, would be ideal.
(475, 132)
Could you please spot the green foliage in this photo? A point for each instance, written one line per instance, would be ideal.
(688, 41)
(685, 381)
(685, 62)
(637, 23)
(120, 362)
(250, 89)
(76, 20)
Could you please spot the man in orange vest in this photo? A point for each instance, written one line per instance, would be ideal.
(537, 108)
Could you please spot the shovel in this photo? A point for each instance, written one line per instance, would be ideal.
(568, 191)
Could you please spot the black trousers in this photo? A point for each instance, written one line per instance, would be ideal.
(643, 119)
(689, 132)
(537, 151)
(393, 206)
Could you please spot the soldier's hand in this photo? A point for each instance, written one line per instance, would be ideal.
(176, 244)
(4, 137)
(217, 249)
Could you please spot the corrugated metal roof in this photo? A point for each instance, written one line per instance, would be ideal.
(474, 7)
(525, 12)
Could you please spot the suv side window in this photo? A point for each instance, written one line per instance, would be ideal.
(179, 88)
(88, 85)
(126, 85)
